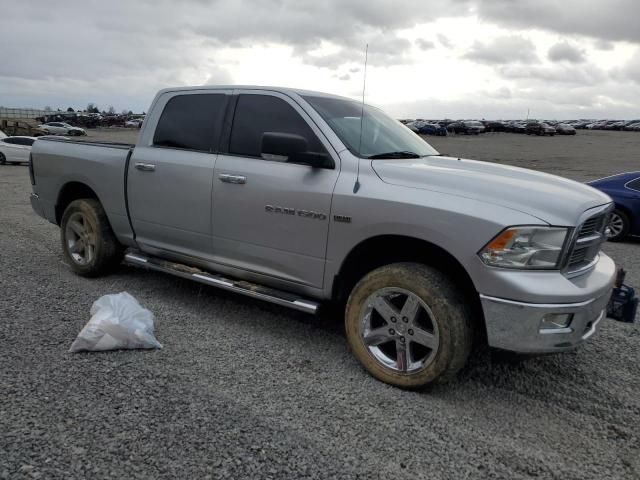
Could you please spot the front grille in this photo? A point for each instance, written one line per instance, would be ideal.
(592, 226)
(587, 243)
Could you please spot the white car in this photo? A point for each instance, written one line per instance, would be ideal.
(61, 128)
(15, 149)
(133, 123)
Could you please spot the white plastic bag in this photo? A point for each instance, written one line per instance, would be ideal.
(117, 322)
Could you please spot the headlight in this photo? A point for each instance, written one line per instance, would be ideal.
(526, 247)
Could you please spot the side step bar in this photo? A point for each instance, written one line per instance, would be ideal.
(245, 288)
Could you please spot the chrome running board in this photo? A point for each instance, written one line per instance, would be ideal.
(245, 288)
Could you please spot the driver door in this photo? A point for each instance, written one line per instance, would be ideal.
(272, 217)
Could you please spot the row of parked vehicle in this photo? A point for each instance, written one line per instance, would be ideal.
(626, 125)
(530, 127)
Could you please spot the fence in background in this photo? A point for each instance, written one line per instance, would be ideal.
(22, 113)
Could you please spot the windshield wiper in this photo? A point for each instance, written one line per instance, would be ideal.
(403, 154)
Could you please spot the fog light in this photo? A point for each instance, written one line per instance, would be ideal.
(556, 323)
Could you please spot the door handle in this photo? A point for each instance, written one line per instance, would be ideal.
(237, 179)
(145, 167)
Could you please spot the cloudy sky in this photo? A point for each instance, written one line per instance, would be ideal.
(454, 58)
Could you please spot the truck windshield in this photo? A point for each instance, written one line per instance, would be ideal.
(382, 136)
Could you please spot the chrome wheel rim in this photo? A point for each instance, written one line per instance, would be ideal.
(399, 330)
(616, 225)
(80, 238)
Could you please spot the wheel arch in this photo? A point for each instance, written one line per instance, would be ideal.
(69, 192)
(382, 250)
(623, 208)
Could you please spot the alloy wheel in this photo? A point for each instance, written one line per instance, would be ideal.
(616, 225)
(80, 238)
(399, 330)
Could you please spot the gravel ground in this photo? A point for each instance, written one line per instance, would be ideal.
(244, 389)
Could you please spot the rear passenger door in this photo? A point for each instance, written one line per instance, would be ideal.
(272, 217)
(170, 173)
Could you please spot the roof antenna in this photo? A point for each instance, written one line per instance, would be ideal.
(356, 186)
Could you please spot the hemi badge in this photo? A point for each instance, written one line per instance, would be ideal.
(342, 218)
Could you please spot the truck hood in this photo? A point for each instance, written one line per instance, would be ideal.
(552, 199)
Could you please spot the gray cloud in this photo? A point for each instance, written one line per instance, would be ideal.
(121, 52)
(503, 50)
(444, 40)
(604, 45)
(425, 44)
(563, 51)
(560, 74)
(631, 71)
(615, 20)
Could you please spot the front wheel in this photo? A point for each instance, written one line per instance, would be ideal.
(3, 159)
(88, 243)
(408, 325)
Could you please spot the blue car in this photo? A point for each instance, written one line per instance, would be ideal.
(425, 128)
(624, 189)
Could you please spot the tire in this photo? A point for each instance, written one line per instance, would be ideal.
(3, 159)
(443, 321)
(619, 225)
(88, 243)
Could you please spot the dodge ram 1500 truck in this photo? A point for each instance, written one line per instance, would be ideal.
(300, 198)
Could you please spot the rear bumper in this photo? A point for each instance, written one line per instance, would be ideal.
(519, 327)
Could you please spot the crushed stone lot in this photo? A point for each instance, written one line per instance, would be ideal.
(245, 389)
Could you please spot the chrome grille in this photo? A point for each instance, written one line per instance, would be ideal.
(592, 225)
(587, 243)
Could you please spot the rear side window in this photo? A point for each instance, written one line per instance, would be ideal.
(634, 185)
(191, 122)
(256, 114)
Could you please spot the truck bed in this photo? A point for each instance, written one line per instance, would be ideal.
(60, 165)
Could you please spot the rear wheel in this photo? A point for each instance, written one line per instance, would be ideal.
(3, 159)
(88, 243)
(408, 325)
(618, 225)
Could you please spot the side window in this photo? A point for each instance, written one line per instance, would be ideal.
(26, 141)
(192, 122)
(256, 114)
(10, 140)
(634, 185)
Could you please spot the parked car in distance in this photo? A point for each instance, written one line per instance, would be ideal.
(426, 128)
(411, 126)
(540, 128)
(491, 126)
(468, 127)
(516, 127)
(15, 149)
(624, 189)
(565, 129)
(133, 123)
(61, 128)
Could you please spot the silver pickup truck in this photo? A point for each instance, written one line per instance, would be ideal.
(302, 198)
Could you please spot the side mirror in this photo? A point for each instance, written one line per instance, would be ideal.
(288, 147)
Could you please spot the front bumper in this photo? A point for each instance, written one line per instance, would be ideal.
(518, 326)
